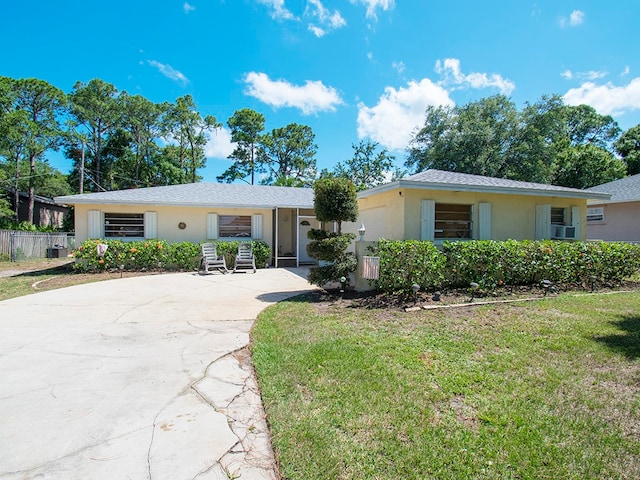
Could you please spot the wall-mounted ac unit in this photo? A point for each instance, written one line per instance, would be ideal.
(563, 232)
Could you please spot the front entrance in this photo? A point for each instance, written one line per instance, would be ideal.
(304, 225)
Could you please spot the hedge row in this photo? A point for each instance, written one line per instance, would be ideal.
(155, 255)
(492, 264)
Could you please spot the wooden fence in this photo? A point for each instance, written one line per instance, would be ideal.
(19, 245)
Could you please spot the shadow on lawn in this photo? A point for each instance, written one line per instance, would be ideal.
(627, 342)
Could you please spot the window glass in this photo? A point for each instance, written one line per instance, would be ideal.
(124, 225)
(595, 214)
(452, 221)
(234, 226)
(557, 216)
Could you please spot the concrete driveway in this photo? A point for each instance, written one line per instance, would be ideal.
(137, 378)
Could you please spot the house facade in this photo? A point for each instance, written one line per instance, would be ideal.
(433, 205)
(436, 205)
(279, 216)
(616, 218)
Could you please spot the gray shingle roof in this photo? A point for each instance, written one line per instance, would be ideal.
(624, 190)
(201, 195)
(443, 180)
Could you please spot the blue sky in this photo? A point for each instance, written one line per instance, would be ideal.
(350, 69)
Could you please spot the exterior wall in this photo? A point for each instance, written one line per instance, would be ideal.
(383, 216)
(397, 217)
(620, 223)
(169, 217)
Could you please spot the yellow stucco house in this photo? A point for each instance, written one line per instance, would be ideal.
(437, 205)
(432, 205)
(196, 212)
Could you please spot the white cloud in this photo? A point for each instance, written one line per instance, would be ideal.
(317, 31)
(326, 20)
(370, 55)
(398, 113)
(279, 12)
(607, 99)
(372, 5)
(398, 67)
(576, 18)
(312, 97)
(594, 74)
(626, 71)
(169, 72)
(187, 7)
(450, 68)
(584, 76)
(219, 144)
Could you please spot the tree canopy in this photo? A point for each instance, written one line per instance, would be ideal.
(368, 167)
(546, 142)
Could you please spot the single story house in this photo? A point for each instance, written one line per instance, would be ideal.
(432, 205)
(195, 212)
(616, 218)
(438, 205)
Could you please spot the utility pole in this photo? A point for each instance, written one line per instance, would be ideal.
(82, 168)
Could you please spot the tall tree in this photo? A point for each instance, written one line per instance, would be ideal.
(246, 131)
(367, 168)
(42, 104)
(288, 153)
(142, 127)
(95, 114)
(473, 138)
(628, 147)
(188, 131)
(538, 140)
(584, 152)
(584, 166)
(491, 137)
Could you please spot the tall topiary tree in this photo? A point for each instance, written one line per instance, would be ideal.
(335, 200)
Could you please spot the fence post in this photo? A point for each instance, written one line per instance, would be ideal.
(11, 246)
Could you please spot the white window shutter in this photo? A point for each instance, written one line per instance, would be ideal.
(94, 225)
(576, 220)
(428, 220)
(484, 221)
(212, 226)
(576, 215)
(150, 224)
(256, 226)
(543, 222)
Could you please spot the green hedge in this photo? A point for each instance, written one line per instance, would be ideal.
(156, 255)
(494, 264)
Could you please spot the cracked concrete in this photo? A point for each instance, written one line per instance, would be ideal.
(141, 378)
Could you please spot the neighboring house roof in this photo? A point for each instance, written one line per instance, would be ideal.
(213, 195)
(624, 190)
(442, 180)
(37, 198)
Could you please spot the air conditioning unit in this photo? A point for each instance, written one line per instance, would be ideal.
(563, 232)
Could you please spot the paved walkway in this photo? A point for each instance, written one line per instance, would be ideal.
(137, 378)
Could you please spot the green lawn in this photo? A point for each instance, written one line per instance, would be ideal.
(542, 390)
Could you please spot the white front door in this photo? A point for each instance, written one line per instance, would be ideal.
(304, 225)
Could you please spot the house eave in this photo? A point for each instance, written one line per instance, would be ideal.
(408, 184)
(70, 201)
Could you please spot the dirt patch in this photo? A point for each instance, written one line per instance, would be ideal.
(333, 299)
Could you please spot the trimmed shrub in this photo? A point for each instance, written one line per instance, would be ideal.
(155, 255)
(403, 264)
(493, 264)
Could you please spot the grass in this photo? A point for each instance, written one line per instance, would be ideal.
(542, 390)
(36, 275)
